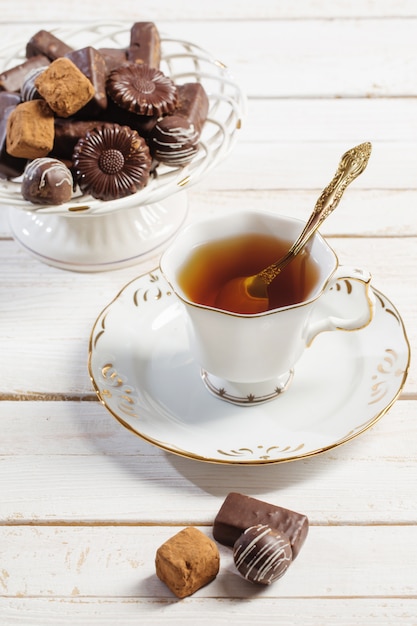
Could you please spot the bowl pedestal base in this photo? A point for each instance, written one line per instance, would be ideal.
(99, 242)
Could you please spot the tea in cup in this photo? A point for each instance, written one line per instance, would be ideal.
(250, 358)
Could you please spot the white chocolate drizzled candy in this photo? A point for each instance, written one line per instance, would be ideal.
(47, 181)
(262, 555)
(28, 90)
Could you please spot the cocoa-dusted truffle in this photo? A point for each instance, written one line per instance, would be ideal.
(9, 166)
(30, 130)
(142, 89)
(64, 87)
(261, 554)
(111, 162)
(187, 561)
(47, 181)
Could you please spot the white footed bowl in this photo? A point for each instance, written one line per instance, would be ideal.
(87, 234)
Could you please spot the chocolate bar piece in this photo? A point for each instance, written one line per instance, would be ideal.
(113, 57)
(13, 78)
(174, 139)
(239, 512)
(143, 124)
(8, 99)
(145, 45)
(67, 133)
(93, 66)
(44, 42)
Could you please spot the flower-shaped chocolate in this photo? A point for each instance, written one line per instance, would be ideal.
(111, 162)
(142, 89)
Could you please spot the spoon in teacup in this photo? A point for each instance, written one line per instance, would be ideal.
(249, 294)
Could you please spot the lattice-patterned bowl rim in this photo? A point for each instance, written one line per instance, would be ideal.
(184, 62)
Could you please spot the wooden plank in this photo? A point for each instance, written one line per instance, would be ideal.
(288, 165)
(335, 562)
(362, 212)
(217, 9)
(71, 462)
(346, 58)
(351, 120)
(49, 355)
(107, 611)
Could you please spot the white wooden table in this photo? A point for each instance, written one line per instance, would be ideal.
(84, 504)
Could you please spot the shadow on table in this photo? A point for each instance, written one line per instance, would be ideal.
(219, 479)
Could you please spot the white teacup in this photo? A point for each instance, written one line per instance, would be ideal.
(247, 359)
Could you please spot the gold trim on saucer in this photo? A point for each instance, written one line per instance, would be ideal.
(121, 395)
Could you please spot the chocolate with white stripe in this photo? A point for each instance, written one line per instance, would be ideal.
(239, 512)
(262, 555)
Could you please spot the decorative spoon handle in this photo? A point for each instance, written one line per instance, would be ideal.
(352, 163)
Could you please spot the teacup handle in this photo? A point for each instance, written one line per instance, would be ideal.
(347, 304)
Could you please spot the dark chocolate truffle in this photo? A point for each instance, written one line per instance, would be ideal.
(142, 90)
(174, 141)
(262, 555)
(47, 181)
(174, 138)
(111, 162)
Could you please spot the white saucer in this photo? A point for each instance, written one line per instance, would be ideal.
(144, 374)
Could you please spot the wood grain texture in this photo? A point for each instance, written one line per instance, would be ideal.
(84, 504)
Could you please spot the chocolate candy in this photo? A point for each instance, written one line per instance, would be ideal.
(145, 45)
(187, 561)
(67, 133)
(47, 44)
(47, 181)
(111, 162)
(28, 90)
(113, 57)
(64, 87)
(91, 63)
(262, 555)
(12, 79)
(239, 512)
(142, 90)
(62, 108)
(30, 130)
(174, 139)
(144, 124)
(10, 166)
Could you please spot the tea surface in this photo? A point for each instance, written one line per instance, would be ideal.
(213, 264)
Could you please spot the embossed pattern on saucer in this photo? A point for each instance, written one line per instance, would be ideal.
(144, 374)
